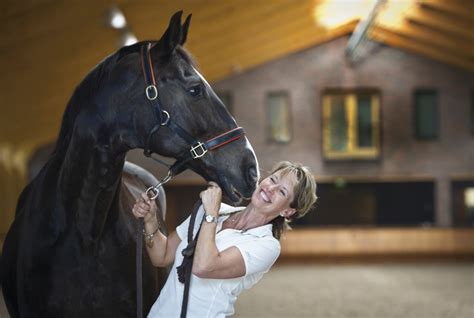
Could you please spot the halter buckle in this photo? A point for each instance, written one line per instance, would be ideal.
(198, 150)
(151, 92)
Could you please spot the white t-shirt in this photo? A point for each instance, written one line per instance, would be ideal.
(216, 297)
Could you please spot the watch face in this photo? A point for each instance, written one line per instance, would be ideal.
(210, 218)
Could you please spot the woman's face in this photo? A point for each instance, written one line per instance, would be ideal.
(274, 194)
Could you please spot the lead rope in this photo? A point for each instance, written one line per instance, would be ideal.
(186, 267)
(184, 270)
(138, 264)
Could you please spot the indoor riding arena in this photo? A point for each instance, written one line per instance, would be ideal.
(375, 97)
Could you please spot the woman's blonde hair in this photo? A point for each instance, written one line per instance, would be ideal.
(304, 194)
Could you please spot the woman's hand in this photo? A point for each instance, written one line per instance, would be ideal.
(145, 208)
(211, 199)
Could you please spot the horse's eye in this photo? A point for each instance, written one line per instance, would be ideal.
(195, 91)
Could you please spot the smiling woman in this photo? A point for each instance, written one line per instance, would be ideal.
(235, 245)
(304, 194)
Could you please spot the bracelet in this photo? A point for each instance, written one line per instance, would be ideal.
(149, 236)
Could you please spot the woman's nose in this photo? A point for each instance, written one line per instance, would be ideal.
(272, 187)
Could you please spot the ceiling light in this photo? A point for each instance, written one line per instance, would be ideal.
(333, 13)
(128, 38)
(116, 19)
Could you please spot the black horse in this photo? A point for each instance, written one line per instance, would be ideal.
(70, 250)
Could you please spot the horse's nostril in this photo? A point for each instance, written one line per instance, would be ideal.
(252, 174)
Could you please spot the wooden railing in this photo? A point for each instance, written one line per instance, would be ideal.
(350, 242)
(376, 242)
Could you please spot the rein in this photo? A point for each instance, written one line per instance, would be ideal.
(196, 150)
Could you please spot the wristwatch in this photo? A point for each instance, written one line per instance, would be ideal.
(210, 218)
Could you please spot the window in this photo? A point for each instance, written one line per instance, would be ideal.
(278, 114)
(226, 98)
(469, 204)
(426, 114)
(471, 122)
(345, 203)
(351, 125)
(463, 203)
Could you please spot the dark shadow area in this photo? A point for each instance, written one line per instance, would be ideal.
(372, 204)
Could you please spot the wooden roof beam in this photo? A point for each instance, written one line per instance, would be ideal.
(441, 23)
(242, 24)
(439, 40)
(282, 25)
(238, 46)
(391, 38)
(463, 10)
(150, 19)
(271, 50)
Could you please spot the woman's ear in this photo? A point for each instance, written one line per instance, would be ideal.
(287, 213)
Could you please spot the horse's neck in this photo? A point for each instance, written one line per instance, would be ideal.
(89, 182)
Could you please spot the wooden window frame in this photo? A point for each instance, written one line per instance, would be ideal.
(270, 137)
(350, 104)
(471, 112)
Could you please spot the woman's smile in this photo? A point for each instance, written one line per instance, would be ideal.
(264, 196)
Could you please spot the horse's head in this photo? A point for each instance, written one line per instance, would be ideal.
(191, 103)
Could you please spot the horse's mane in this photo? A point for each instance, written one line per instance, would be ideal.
(74, 105)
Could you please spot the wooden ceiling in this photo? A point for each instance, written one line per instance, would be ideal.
(48, 46)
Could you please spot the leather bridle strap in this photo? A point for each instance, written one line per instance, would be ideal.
(163, 118)
(151, 92)
(224, 139)
(197, 148)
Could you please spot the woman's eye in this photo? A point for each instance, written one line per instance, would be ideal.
(194, 91)
(272, 179)
(283, 193)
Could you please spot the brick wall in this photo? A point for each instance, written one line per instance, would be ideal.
(396, 74)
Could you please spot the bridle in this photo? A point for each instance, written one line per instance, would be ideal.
(197, 148)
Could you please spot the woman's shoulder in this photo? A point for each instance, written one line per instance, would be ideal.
(272, 241)
(263, 236)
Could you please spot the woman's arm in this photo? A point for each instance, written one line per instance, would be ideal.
(208, 261)
(163, 249)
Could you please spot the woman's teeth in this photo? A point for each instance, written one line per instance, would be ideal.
(265, 197)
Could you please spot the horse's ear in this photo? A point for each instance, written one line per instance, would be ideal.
(186, 28)
(172, 36)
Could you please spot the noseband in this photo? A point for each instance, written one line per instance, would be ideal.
(197, 148)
